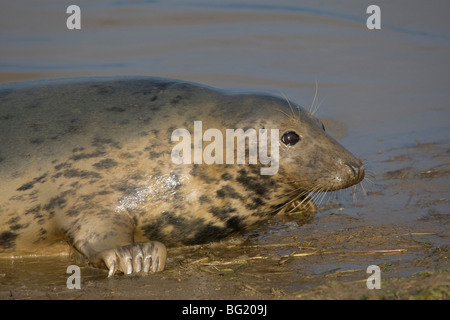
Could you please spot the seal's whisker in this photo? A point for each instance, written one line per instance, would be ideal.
(290, 106)
(315, 192)
(293, 116)
(368, 180)
(295, 191)
(330, 195)
(321, 197)
(319, 105)
(287, 115)
(314, 105)
(303, 193)
(289, 103)
(306, 198)
(315, 196)
(298, 205)
(311, 108)
(282, 206)
(363, 190)
(327, 197)
(287, 194)
(369, 175)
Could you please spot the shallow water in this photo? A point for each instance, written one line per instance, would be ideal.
(385, 92)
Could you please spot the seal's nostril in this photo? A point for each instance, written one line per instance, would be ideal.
(357, 170)
(354, 170)
(352, 167)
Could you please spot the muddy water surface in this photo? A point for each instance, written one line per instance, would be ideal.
(383, 93)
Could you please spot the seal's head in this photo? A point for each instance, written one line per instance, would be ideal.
(310, 159)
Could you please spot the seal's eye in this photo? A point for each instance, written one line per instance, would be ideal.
(290, 138)
(323, 126)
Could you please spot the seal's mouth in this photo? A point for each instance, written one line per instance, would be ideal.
(306, 200)
(357, 172)
(353, 174)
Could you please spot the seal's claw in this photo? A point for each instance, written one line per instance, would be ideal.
(112, 269)
(135, 257)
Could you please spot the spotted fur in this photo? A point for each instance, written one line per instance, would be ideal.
(88, 161)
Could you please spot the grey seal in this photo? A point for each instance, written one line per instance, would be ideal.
(90, 161)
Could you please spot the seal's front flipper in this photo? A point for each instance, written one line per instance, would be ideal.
(303, 204)
(108, 242)
(134, 257)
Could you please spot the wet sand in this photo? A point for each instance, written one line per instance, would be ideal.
(383, 93)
